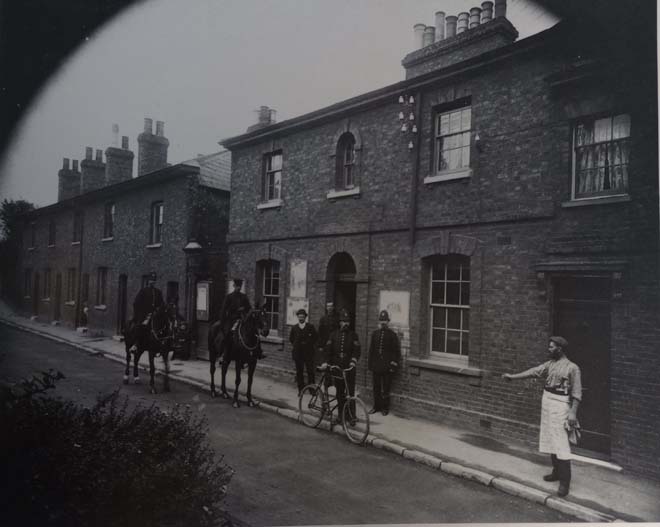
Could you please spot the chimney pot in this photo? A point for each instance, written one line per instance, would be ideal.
(124, 142)
(115, 135)
(462, 24)
(475, 17)
(451, 26)
(429, 36)
(439, 25)
(419, 35)
(486, 12)
(75, 165)
(65, 163)
(148, 125)
(99, 155)
(160, 128)
(88, 153)
(500, 8)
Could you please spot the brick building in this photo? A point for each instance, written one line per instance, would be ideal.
(503, 192)
(108, 230)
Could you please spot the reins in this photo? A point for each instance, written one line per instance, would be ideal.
(242, 340)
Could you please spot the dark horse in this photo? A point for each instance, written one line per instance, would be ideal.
(156, 337)
(242, 347)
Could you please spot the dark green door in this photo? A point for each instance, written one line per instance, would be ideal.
(582, 313)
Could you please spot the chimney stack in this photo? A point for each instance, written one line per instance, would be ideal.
(266, 118)
(152, 149)
(119, 161)
(68, 181)
(92, 172)
(500, 8)
(439, 25)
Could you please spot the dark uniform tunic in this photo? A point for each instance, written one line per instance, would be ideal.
(384, 358)
(234, 305)
(303, 339)
(327, 324)
(146, 302)
(343, 349)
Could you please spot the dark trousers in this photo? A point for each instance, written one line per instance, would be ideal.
(302, 364)
(339, 384)
(382, 384)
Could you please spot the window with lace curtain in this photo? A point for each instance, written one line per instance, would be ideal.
(601, 156)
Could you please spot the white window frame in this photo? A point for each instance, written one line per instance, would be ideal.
(272, 182)
(462, 308)
(71, 284)
(270, 271)
(157, 218)
(101, 285)
(609, 168)
(462, 134)
(108, 221)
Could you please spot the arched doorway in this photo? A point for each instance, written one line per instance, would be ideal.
(340, 283)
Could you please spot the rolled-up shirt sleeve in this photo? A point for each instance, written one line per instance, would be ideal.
(575, 380)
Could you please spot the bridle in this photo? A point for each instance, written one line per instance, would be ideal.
(252, 314)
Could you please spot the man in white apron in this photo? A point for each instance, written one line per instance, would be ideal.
(562, 394)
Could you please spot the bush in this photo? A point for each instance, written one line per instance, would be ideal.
(105, 465)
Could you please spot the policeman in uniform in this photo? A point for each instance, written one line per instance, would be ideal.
(303, 338)
(148, 299)
(343, 349)
(236, 304)
(384, 359)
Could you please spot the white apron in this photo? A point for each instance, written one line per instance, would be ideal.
(553, 438)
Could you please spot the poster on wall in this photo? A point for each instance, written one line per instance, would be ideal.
(298, 278)
(293, 305)
(397, 304)
(202, 304)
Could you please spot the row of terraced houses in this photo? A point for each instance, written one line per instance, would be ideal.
(505, 191)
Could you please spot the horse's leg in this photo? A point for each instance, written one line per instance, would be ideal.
(136, 362)
(239, 367)
(252, 365)
(212, 359)
(224, 366)
(166, 360)
(152, 371)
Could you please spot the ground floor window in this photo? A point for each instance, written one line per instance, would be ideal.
(270, 291)
(71, 284)
(101, 285)
(449, 306)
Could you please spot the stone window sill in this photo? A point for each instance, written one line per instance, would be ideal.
(75, 243)
(30, 248)
(334, 194)
(604, 200)
(70, 303)
(272, 204)
(108, 239)
(449, 175)
(101, 307)
(51, 245)
(446, 366)
(46, 299)
(154, 245)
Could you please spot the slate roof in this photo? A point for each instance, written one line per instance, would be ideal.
(214, 169)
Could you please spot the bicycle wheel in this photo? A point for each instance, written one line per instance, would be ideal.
(355, 420)
(311, 405)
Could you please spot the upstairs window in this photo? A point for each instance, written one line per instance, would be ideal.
(77, 226)
(345, 172)
(271, 183)
(33, 235)
(452, 140)
(52, 232)
(156, 230)
(449, 309)
(109, 220)
(601, 154)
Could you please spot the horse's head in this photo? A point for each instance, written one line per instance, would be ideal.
(162, 318)
(260, 319)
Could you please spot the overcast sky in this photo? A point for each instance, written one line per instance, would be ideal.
(204, 67)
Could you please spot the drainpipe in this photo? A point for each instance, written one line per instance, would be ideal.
(415, 172)
(80, 273)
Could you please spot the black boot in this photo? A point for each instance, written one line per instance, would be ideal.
(564, 466)
(553, 476)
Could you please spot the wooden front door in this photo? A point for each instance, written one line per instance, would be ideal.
(582, 312)
(122, 304)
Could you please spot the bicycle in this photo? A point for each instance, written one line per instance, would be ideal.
(315, 402)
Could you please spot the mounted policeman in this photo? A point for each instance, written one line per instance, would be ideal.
(147, 301)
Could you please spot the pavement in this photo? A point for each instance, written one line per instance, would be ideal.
(599, 492)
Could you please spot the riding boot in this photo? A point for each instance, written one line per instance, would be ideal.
(564, 469)
(553, 476)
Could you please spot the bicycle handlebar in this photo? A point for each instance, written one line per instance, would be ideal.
(332, 367)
